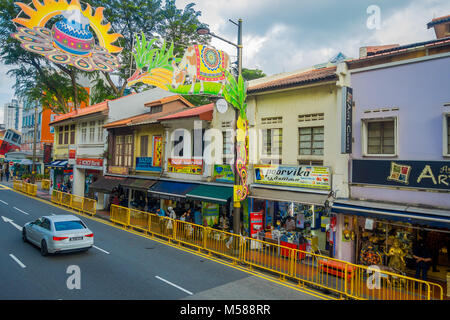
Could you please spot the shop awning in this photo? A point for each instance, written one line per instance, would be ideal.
(171, 190)
(212, 194)
(106, 184)
(412, 215)
(58, 164)
(138, 184)
(288, 196)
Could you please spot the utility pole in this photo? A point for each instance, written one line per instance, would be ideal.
(33, 168)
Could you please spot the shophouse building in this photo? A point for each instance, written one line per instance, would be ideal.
(399, 167)
(296, 165)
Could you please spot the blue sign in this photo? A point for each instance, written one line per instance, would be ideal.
(146, 164)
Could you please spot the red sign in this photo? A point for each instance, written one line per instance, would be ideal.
(11, 163)
(90, 162)
(72, 153)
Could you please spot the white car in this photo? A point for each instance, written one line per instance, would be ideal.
(59, 233)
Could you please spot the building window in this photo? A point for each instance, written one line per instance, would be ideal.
(156, 109)
(100, 130)
(381, 137)
(124, 151)
(272, 142)
(310, 117)
(310, 162)
(144, 146)
(311, 141)
(72, 134)
(92, 131)
(448, 133)
(60, 135)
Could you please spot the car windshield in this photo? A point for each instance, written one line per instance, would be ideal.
(69, 225)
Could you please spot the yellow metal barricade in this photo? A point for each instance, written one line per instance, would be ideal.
(45, 184)
(189, 233)
(120, 215)
(162, 226)
(374, 283)
(89, 206)
(56, 196)
(223, 243)
(28, 188)
(268, 256)
(139, 219)
(66, 199)
(77, 202)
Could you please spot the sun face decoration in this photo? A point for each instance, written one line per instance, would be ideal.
(70, 41)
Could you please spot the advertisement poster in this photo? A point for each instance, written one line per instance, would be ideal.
(157, 151)
(210, 212)
(223, 173)
(189, 166)
(313, 177)
(256, 223)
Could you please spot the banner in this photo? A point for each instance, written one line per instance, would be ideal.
(313, 177)
(146, 164)
(210, 212)
(157, 151)
(189, 166)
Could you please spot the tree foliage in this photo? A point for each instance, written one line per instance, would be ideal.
(251, 74)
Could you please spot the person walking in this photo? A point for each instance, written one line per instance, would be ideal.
(7, 174)
(1, 173)
(422, 255)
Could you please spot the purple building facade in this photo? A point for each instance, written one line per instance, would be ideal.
(399, 165)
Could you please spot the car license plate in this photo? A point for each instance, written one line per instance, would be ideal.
(76, 238)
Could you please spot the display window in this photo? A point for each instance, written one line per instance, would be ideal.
(396, 247)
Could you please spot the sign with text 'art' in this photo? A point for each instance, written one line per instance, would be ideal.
(313, 177)
(403, 173)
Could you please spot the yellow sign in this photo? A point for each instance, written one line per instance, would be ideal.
(189, 166)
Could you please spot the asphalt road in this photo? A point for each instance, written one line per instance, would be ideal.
(122, 265)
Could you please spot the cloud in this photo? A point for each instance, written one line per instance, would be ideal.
(292, 34)
(6, 91)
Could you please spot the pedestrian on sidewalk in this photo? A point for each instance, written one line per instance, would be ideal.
(1, 174)
(7, 174)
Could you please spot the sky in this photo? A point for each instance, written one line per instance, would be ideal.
(289, 35)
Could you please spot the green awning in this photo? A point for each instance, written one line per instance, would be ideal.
(212, 194)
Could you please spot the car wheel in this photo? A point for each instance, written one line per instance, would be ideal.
(44, 250)
(24, 235)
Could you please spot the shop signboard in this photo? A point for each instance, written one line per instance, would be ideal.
(347, 116)
(256, 223)
(89, 162)
(118, 170)
(72, 154)
(433, 175)
(146, 164)
(313, 177)
(223, 173)
(210, 212)
(189, 166)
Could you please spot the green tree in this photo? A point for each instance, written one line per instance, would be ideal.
(251, 74)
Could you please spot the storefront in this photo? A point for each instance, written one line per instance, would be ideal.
(61, 175)
(107, 188)
(206, 202)
(386, 235)
(289, 206)
(86, 172)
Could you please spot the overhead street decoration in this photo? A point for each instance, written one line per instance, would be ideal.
(201, 71)
(77, 37)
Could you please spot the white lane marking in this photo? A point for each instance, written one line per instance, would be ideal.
(172, 284)
(17, 260)
(101, 249)
(11, 221)
(4, 202)
(21, 211)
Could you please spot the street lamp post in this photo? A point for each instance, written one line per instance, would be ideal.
(206, 31)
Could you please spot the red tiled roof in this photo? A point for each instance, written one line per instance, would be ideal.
(303, 78)
(169, 99)
(99, 107)
(192, 112)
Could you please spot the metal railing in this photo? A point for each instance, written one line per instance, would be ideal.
(45, 184)
(340, 277)
(28, 188)
(75, 202)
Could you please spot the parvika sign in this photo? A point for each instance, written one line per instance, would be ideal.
(80, 38)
